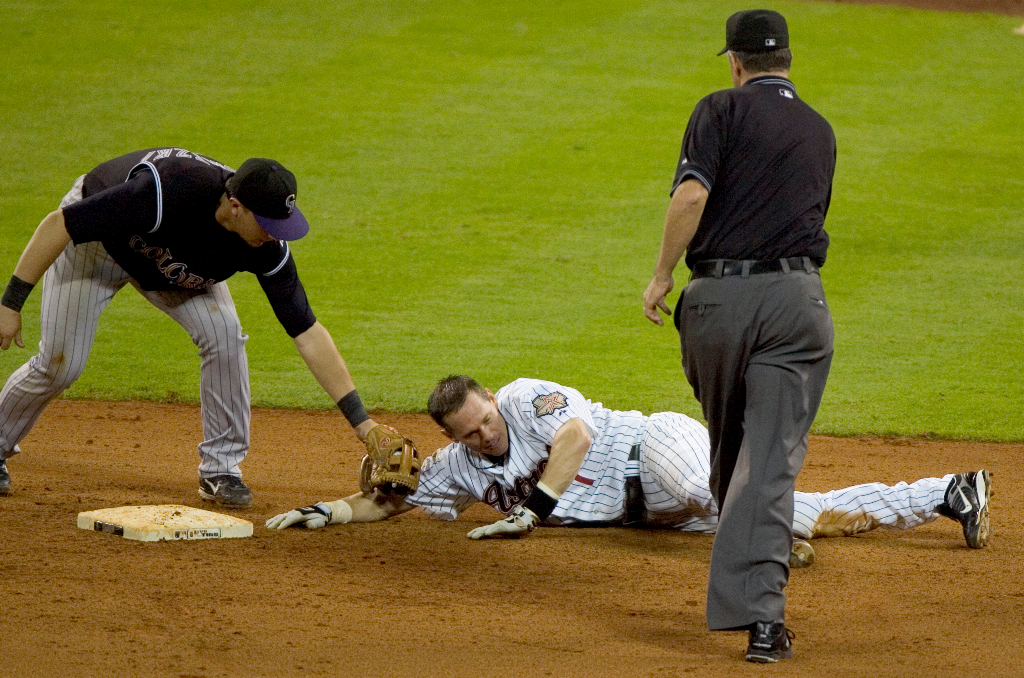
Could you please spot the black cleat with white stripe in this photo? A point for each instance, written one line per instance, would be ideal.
(227, 491)
(966, 502)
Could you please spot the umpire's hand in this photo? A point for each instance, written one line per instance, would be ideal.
(654, 298)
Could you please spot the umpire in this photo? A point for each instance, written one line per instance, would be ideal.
(748, 207)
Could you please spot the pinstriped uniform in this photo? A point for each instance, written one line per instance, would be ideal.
(76, 289)
(864, 507)
(674, 465)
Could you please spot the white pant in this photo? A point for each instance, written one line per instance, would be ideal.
(76, 288)
(841, 513)
(674, 469)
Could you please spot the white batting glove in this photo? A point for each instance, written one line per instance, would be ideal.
(521, 521)
(311, 517)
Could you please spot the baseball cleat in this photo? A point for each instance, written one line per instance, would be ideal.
(226, 491)
(802, 554)
(966, 502)
(769, 642)
(5, 479)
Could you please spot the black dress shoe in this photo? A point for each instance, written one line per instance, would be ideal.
(769, 642)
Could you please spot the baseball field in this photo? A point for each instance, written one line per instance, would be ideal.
(486, 184)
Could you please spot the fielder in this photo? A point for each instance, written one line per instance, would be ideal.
(175, 225)
(541, 453)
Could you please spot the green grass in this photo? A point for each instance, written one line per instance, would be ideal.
(487, 183)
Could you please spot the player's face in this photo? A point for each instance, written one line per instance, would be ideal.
(239, 220)
(251, 232)
(479, 425)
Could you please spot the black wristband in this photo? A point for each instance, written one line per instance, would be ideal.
(352, 407)
(541, 503)
(16, 293)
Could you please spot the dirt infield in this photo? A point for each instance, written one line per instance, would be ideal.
(563, 602)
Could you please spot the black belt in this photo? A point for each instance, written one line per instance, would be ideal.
(634, 500)
(717, 268)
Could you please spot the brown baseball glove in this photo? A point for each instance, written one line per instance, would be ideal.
(392, 465)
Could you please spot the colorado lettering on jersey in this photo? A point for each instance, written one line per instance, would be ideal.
(175, 272)
(505, 500)
(549, 403)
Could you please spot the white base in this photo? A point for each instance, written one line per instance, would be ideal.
(166, 522)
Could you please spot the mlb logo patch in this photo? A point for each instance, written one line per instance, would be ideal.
(769, 42)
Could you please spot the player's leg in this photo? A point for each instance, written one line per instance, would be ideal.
(212, 322)
(674, 468)
(75, 290)
(849, 511)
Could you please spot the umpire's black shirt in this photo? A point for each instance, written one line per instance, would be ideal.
(767, 160)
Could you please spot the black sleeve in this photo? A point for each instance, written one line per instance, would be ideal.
(128, 206)
(703, 144)
(287, 297)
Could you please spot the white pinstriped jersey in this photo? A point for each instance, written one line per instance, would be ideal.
(455, 477)
(673, 467)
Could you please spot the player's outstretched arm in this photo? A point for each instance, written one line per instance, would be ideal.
(49, 239)
(359, 508)
(383, 443)
(324, 361)
(317, 349)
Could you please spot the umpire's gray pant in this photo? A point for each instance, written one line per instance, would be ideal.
(757, 351)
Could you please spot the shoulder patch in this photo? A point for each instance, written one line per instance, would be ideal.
(546, 404)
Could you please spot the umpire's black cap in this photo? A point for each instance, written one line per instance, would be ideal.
(755, 30)
(267, 189)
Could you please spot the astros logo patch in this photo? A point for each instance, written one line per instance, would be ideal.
(546, 404)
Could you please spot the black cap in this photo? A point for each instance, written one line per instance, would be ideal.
(267, 189)
(755, 30)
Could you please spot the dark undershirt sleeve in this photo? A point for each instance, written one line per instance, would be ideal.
(288, 298)
(128, 206)
(703, 142)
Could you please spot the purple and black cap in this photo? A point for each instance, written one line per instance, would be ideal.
(755, 31)
(268, 190)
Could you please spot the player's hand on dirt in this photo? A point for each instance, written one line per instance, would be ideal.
(10, 328)
(654, 298)
(311, 517)
(521, 521)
